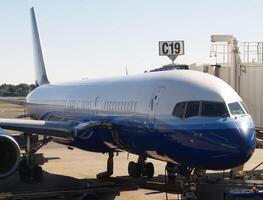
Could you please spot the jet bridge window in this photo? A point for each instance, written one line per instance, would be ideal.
(236, 109)
(213, 109)
(192, 109)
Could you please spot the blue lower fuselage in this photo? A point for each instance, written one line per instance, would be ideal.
(199, 142)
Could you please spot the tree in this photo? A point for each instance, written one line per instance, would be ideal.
(16, 90)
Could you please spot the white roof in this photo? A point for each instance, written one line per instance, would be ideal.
(183, 85)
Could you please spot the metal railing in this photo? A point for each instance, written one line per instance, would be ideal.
(250, 52)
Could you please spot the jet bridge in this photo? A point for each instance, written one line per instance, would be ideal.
(240, 64)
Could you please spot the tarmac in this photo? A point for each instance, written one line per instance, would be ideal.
(68, 169)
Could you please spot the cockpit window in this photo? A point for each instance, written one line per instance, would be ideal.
(179, 110)
(201, 108)
(192, 109)
(236, 109)
(244, 106)
(214, 109)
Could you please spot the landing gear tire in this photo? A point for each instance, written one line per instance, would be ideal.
(149, 169)
(137, 170)
(29, 169)
(24, 172)
(131, 168)
(37, 173)
(134, 169)
(30, 173)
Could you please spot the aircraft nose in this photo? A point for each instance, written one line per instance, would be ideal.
(247, 135)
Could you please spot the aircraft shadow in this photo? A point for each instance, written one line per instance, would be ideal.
(53, 183)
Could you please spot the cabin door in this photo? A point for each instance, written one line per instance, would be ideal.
(153, 105)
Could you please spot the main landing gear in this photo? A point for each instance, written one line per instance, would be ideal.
(136, 170)
(141, 168)
(186, 176)
(29, 170)
(109, 171)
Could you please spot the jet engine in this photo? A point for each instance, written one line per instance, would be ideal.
(9, 154)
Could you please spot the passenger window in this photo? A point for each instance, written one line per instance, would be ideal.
(125, 106)
(213, 109)
(179, 110)
(235, 108)
(118, 105)
(109, 105)
(135, 104)
(131, 106)
(192, 109)
(113, 105)
(128, 106)
(122, 105)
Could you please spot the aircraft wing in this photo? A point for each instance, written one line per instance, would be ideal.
(20, 102)
(62, 129)
(40, 127)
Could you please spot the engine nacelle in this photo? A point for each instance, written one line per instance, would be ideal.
(9, 154)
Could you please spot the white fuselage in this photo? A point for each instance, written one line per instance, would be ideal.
(134, 94)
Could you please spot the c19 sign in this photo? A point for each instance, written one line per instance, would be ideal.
(169, 48)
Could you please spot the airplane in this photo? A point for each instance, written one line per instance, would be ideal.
(186, 118)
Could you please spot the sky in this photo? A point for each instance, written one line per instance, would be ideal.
(92, 39)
